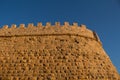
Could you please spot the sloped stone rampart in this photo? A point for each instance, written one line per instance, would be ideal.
(53, 52)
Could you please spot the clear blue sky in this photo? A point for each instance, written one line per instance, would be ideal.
(103, 16)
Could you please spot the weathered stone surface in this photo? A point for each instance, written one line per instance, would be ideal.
(67, 52)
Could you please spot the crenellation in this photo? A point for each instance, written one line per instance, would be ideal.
(57, 24)
(39, 24)
(83, 27)
(48, 24)
(22, 26)
(13, 26)
(66, 24)
(49, 29)
(75, 24)
(30, 25)
(5, 27)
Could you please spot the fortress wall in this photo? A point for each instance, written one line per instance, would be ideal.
(53, 52)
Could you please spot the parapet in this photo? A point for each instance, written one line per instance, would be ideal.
(48, 29)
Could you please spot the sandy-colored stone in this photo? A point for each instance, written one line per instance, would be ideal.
(53, 52)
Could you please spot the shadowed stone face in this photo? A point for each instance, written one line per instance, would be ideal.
(53, 53)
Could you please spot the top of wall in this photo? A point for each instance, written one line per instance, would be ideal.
(39, 29)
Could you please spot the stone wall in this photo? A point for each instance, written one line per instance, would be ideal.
(53, 52)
